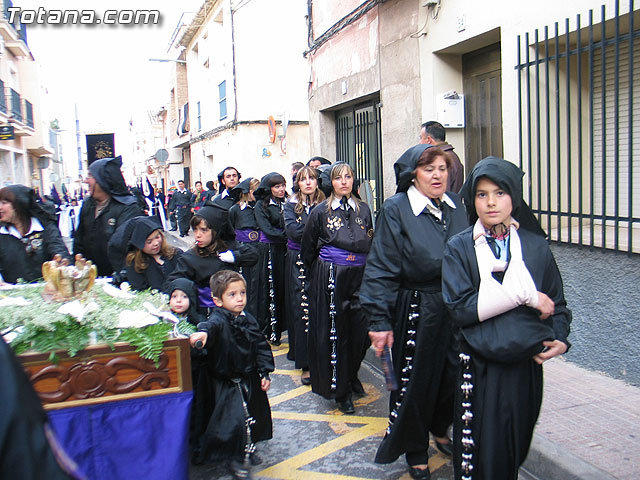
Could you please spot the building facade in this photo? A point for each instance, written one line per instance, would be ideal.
(547, 86)
(239, 96)
(24, 157)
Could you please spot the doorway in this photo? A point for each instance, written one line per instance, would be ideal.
(482, 79)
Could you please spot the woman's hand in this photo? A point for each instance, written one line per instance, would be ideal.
(545, 306)
(553, 349)
(265, 383)
(380, 339)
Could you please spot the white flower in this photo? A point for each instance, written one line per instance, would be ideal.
(137, 319)
(77, 310)
(14, 301)
(116, 292)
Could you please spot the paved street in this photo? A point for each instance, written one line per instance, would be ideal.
(312, 439)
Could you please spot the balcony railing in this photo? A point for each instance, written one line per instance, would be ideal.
(28, 110)
(16, 109)
(3, 98)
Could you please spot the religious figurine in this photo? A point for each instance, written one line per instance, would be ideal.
(64, 281)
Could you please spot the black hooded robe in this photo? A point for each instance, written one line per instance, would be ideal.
(498, 397)
(297, 295)
(273, 247)
(244, 220)
(506, 396)
(353, 233)
(238, 357)
(403, 268)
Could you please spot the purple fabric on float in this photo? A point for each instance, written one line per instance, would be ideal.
(329, 253)
(247, 235)
(204, 297)
(138, 438)
(291, 245)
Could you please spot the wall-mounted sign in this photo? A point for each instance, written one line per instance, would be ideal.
(6, 132)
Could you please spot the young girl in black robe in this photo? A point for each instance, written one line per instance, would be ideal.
(401, 294)
(271, 196)
(239, 362)
(334, 248)
(150, 259)
(296, 213)
(243, 222)
(210, 253)
(504, 293)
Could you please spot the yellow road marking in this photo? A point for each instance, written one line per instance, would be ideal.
(283, 397)
(291, 373)
(288, 469)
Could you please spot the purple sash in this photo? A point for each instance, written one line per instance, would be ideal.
(336, 255)
(204, 297)
(265, 239)
(291, 245)
(247, 235)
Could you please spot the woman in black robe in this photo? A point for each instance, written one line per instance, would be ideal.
(335, 243)
(504, 293)
(401, 294)
(211, 253)
(296, 213)
(270, 197)
(29, 235)
(243, 221)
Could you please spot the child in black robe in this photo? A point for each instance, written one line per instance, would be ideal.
(239, 361)
(505, 297)
(211, 253)
(183, 302)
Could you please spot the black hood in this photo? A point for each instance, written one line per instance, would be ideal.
(406, 165)
(507, 176)
(121, 241)
(27, 201)
(188, 287)
(107, 173)
(324, 179)
(268, 181)
(242, 188)
(217, 218)
(143, 227)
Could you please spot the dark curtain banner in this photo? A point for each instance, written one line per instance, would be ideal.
(142, 438)
(100, 145)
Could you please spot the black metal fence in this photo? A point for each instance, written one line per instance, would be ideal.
(358, 142)
(579, 122)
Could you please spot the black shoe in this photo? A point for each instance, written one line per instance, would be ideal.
(182, 234)
(445, 448)
(420, 474)
(276, 342)
(173, 230)
(357, 388)
(239, 471)
(255, 459)
(346, 406)
(305, 380)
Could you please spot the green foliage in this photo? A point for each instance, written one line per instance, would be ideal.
(43, 329)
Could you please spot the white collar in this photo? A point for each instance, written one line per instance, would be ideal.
(336, 203)
(36, 226)
(418, 201)
(273, 202)
(224, 194)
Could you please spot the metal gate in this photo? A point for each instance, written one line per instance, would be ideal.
(359, 144)
(579, 129)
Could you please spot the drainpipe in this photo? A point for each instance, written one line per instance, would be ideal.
(233, 62)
